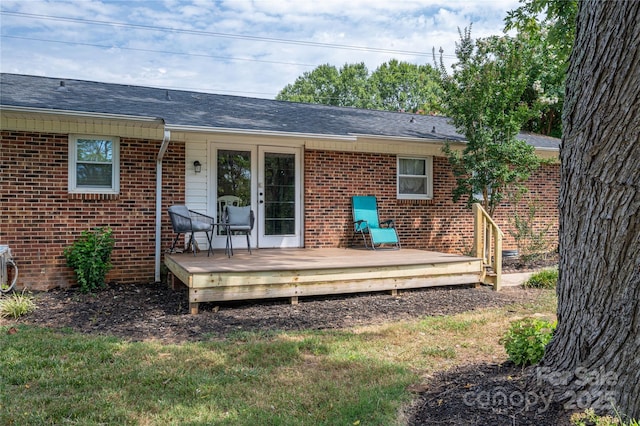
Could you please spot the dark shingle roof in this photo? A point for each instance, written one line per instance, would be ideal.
(184, 108)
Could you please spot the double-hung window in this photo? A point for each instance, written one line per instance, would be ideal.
(415, 178)
(94, 164)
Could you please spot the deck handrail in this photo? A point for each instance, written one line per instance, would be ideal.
(487, 245)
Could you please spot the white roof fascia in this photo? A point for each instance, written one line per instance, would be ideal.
(397, 138)
(410, 141)
(205, 129)
(83, 114)
(444, 138)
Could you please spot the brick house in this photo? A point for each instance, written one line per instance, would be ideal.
(296, 164)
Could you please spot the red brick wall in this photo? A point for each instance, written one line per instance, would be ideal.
(39, 218)
(331, 178)
(544, 186)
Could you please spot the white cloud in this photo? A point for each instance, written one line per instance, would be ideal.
(206, 61)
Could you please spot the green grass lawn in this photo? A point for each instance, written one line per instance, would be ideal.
(348, 377)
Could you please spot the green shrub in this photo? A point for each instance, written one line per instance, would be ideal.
(531, 242)
(547, 278)
(16, 305)
(526, 339)
(90, 258)
(590, 418)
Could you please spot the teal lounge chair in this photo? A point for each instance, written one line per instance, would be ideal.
(367, 224)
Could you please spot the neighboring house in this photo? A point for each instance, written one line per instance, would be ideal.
(78, 154)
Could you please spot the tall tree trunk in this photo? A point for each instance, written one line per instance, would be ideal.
(595, 354)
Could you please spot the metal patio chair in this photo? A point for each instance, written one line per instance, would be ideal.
(238, 220)
(186, 221)
(367, 223)
(227, 200)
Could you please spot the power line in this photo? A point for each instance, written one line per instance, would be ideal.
(192, 32)
(218, 34)
(202, 55)
(170, 53)
(137, 49)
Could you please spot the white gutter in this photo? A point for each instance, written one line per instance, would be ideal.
(32, 110)
(230, 130)
(402, 138)
(163, 148)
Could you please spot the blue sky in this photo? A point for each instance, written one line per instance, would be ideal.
(239, 47)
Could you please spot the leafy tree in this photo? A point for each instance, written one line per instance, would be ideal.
(353, 87)
(549, 25)
(483, 98)
(401, 86)
(393, 86)
(593, 358)
(546, 74)
(317, 87)
(555, 19)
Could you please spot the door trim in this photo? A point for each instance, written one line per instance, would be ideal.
(258, 240)
(288, 241)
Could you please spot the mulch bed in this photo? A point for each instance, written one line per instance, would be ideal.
(486, 394)
(156, 312)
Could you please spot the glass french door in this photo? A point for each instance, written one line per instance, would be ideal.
(268, 179)
(279, 197)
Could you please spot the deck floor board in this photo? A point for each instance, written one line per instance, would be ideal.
(300, 259)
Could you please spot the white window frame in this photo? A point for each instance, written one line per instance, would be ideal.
(428, 175)
(115, 175)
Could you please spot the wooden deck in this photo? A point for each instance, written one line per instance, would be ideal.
(292, 273)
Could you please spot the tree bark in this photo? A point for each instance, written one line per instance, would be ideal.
(594, 356)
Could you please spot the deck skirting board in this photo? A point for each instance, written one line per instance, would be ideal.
(255, 277)
(284, 290)
(313, 276)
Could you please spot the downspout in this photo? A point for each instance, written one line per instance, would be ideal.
(163, 148)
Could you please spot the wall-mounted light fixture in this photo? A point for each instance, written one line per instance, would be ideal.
(197, 166)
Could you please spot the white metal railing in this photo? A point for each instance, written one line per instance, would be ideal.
(487, 245)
